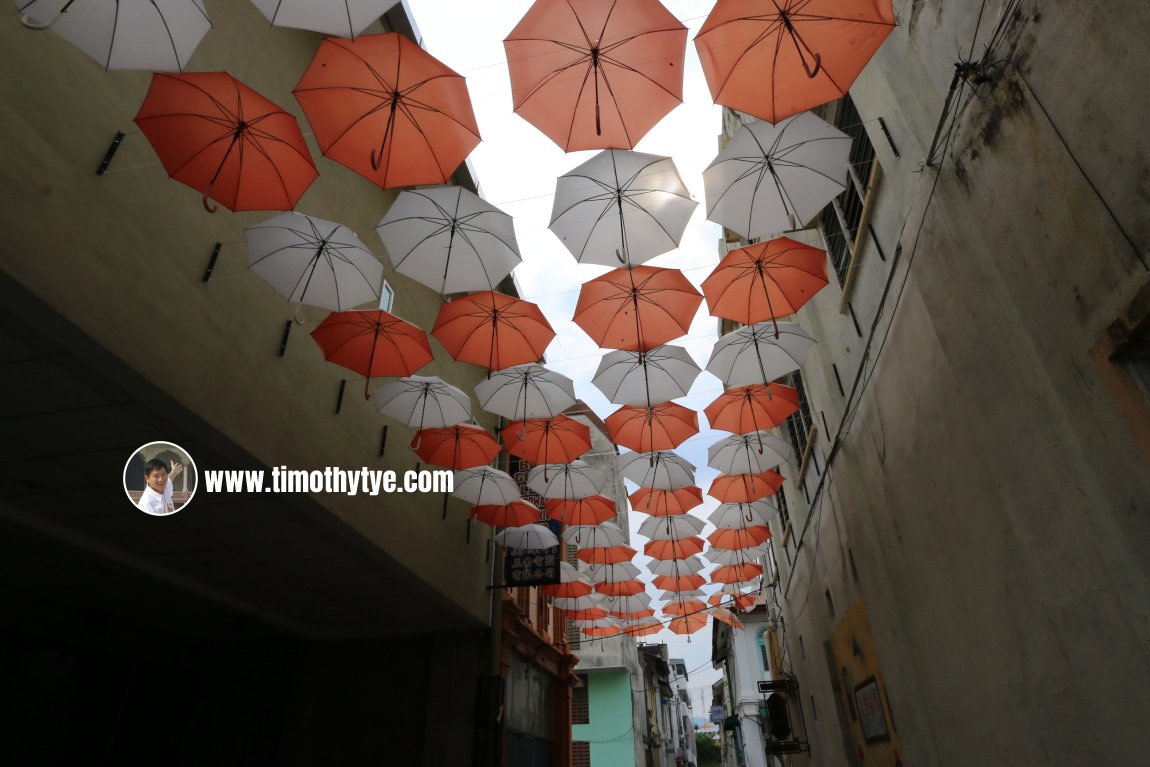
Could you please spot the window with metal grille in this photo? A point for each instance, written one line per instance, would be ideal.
(841, 220)
(574, 636)
(580, 753)
(799, 424)
(580, 710)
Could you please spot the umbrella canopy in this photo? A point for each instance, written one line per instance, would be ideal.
(572, 583)
(637, 309)
(226, 141)
(587, 614)
(662, 503)
(593, 74)
(449, 239)
(312, 261)
(742, 514)
(671, 528)
(589, 601)
(591, 510)
(752, 408)
(726, 616)
(644, 627)
(612, 572)
(739, 538)
(676, 567)
(606, 555)
(736, 573)
(533, 537)
(735, 556)
(423, 401)
(462, 446)
(373, 343)
(645, 378)
(547, 440)
(591, 536)
(776, 58)
(679, 583)
(621, 208)
(515, 513)
(567, 481)
(659, 427)
(771, 178)
(684, 606)
(687, 624)
(740, 601)
(680, 548)
(620, 588)
(625, 605)
(485, 486)
(751, 453)
(388, 110)
(660, 470)
(760, 353)
(154, 35)
(765, 281)
(744, 488)
(599, 631)
(339, 18)
(526, 391)
(493, 330)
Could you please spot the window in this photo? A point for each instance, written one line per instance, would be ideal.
(386, 296)
(580, 753)
(580, 710)
(574, 636)
(761, 639)
(800, 425)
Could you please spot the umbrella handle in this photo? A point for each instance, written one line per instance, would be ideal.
(415, 443)
(207, 205)
(297, 314)
(376, 161)
(818, 65)
(31, 23)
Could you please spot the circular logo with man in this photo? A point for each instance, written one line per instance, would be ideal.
(160, 478)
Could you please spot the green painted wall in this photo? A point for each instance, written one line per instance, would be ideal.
(611, 731)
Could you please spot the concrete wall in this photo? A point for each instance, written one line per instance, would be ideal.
(610, 728)
(987, 496)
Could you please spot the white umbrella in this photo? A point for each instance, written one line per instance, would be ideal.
(626, 604)
(621, 207)
(677, 567)
(449, 239)
(661, 470)
(565, 480)
(315, 262)
(733, 556)
(154, 35)
(587, 602)
(774, 178)
(751, 453)
(485, 486)
(423, 402)
(671, 528)
(341, 18)
(742, 514)
(526, 391)
(671, 596)
(591, 536)
(641, 378)
(532, 537)
(759, 353)
(615, 573)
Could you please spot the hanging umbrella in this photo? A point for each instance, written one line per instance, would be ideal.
(751, 453)
(607, 629)
(742, 514)
(592, 536)
(684, 606)
(644, 378)
(606, 555)
(462, 446)
(423, 401)
(673, 549)
(776, 58)
(659, 427)
(660, 470)
(739, 537)
(679, 583)
(221, 138)
(153, 35)
(771, 178)
(637, 309)
(624, 606)
(315, 262)
(735, 556)
(621, 208)
(515, 513)
(726, 616)
(593, 75)
(662, 503)
(493, 330)
(388, 110)
(620, 588)
(547, 440)
(485, 486)
(671, 528)
(644, 627)
(758, 354)
(589, 601)
(744, 488)
(532, 537)
(589, 614)
(341, 18)
(736, 573)
(449, 239)
(688, 624)
(741, 601)
(612, 573)
(645, 612)
(567, 481)
(372, 343)
(526, 391)
(675, 567)
(765, 281)
(591, 510)
(750, 408)
(571, 583)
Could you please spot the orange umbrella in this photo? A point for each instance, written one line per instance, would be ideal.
(739, 537)
(373, 343)
(515, 514)
(726, 616)
(588, 614)
(620, 588)
(228, 142)
(569, 590)
(634, 615)
(595, 75)
(547, 440)
(461, 446)
(776, 58)
(665, 503)
(601, 631)
(736, 573)
(688, 624)
(606, 555)
(745, 488)
(660, 427)
(493, 330)
(673, 549)
(765, 281)
(388, 110)
(684, 606)
(637, 309)
(744, 409)
(582, 511)
(678, 582)
(742, 601)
